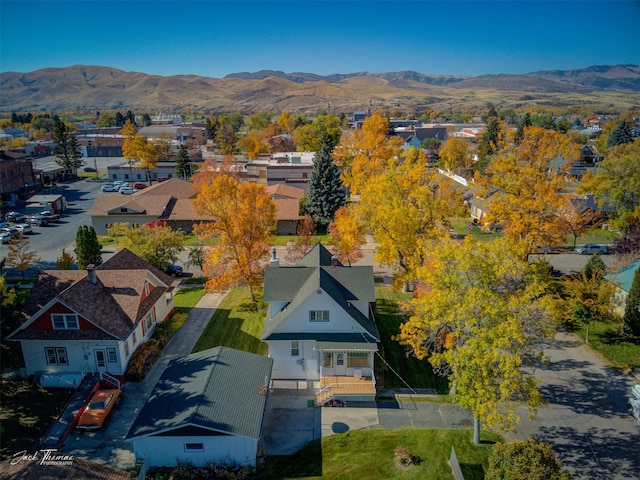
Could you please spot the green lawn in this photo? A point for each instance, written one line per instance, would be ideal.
(617, 349)
(26, 412)
(370, 454)
(237, 323)
(416, 373)
(461, 226)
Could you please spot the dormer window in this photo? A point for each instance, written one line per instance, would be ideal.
(65, 321)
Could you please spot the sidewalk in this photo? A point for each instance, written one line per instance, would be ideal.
(108, 446)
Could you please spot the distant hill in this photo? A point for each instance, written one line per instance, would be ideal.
(82, 87)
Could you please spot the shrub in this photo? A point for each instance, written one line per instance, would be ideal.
(142, 360)
(528, 459)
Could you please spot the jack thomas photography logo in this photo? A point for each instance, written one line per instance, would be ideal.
(43, 457)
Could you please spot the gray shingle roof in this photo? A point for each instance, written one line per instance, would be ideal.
(296, 283)
(220, 389)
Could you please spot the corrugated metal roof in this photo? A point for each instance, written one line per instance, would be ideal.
(220, 389)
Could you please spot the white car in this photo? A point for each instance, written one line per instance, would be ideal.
(5, 237)
(24, 228)
(127, 190)
(109, 188)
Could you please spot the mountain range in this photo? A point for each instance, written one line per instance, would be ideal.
(82, 87)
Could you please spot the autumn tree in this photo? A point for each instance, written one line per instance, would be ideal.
(156, 243)
(88, 249)
(629, 242)
(7, 295)
(137, 148)
(405, 207)
(575, 219)
(20, 256)
(531, 179)
(457, 157)
(66, 149)
(245, 219)
(363, 154)
(326, 191)
(478, 316)
(520, 459)
(586, 298)
(64, 261)
(617, 180)
(304, 242)
(347, 237)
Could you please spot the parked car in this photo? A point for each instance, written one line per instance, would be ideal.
(545, 250)
(89, 169)
(590, 249)
(96, 412)
(109, 188)
(127, 190)
(38, 220)
(24, 228)
(139, 186)
(174, 270)
(15, 217)
(5, 237)
(14, 232)
(5, 224)
(50, 216)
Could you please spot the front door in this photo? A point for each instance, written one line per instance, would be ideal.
(101, 360)
(340, 366)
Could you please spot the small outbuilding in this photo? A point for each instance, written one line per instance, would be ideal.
(207, 407)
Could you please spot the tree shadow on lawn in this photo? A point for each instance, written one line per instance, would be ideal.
(306, 463)
(226, 330)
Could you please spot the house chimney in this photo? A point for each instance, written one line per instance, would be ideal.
(334, 261)
(274, 262)
(91, 272)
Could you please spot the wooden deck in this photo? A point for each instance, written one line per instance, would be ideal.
(344, 386)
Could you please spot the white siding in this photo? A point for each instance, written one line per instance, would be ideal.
(303, 367)
(222, 449)
(80, 356)
(297, 320)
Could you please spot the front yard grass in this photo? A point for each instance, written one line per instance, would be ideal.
(416, 373)
(26, 412)
(370, 454)
(237, 323)
(617, 349)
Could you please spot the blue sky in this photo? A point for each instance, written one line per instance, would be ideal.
(218, 38)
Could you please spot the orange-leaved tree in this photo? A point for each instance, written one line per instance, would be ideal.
(244, 219)
(532, 180)
(137, 148)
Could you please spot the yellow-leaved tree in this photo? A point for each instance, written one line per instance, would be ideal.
(478, 316)
(457, 156)
(137, 148)
(245, 217)
(405, 207)
(347, 236)
(362, 154)
(532, 180)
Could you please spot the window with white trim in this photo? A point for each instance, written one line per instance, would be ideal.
(318, 315)
(111, 355)
(357, 359)
(146, 288)
(295, 348)
(56, 356)
(149, 320)
(126, 349)
(65, 321)
(194, 447)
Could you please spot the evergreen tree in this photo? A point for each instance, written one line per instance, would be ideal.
(623, 133)
(594, 265)
(525, 122)
(631, 317)
(182, 163)
(87, 247)
(66, 150)
(491, 138)
(146, 119)
(326, 191)
(119, 119)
